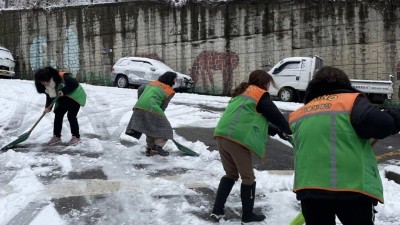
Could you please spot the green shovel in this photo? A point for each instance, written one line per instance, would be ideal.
(25, 135)
(185, 149)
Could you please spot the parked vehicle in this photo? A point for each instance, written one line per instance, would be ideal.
(136, 71)
(7, 63)
(292, 75)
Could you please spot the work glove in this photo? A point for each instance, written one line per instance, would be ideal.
(273, 130)
(395, 113)
(47, 110)
(283, 135)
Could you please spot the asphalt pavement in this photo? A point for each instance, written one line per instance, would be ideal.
(280, 156)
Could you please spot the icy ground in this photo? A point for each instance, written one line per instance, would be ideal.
(107, 179)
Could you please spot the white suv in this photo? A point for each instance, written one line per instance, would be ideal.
(136, 71)
(7, 63)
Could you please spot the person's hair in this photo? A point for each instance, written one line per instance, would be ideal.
(328, 80)
(260, 78)
(168, 78)
(45, 74)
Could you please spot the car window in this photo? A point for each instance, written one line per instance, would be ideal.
(288, 66)
(136, 63)
(161, 66)
(124, 62)
(147, 65)
(291, 66)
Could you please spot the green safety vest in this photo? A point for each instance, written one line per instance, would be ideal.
(78, 95)
(153, 96)
(242, 124)
(329, 155)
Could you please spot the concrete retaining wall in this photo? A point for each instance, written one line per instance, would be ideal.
(217, 45)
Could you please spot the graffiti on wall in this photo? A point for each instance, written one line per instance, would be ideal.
(39, 57)
(38, 53)
(71, 52)
(204, 67)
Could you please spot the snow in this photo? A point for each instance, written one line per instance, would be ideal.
(136, 189)
(393, 168)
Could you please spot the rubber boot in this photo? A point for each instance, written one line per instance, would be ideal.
(224, 189)
(247, 194)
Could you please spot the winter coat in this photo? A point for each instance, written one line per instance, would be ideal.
(68, 85)
(334, 158)
(242, 123)
(77, 94)
(148, 115)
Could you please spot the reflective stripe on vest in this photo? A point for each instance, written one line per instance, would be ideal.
(329, 155)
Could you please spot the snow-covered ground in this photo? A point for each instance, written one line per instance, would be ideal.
(107, 179)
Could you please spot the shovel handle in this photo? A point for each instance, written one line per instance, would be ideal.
(37, 122)
(44, 113)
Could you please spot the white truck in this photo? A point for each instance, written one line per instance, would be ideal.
(292, 75)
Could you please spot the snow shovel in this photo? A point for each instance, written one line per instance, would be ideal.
(185, 149)
(298, 220)
(25, 135)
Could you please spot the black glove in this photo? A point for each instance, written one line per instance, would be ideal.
(273, 130)
(395, 113)
(283, 136)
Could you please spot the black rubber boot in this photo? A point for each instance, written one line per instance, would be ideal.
(224, 189)
(247, 194)
(157, 150)
(148, 151)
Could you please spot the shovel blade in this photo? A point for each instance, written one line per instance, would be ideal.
(185, 149)
(20, 139)
(298, 220)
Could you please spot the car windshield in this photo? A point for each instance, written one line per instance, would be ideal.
(4, 54)
(161, 65)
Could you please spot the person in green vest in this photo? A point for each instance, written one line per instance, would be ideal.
(148, 115)
(71, 97)
(336, 172)
(243, 129)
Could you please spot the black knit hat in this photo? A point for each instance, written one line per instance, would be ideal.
(328, 80)
(168, 78)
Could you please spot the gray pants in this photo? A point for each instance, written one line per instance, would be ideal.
(236, 160)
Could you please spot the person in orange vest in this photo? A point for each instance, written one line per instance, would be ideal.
(336, 171)
(243, 129)
(148, 115)
(71, 97)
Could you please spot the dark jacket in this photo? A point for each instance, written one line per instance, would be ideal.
(268, 109)
(70, 85)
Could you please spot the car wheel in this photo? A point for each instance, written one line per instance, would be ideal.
(286, 95)
(122, 81)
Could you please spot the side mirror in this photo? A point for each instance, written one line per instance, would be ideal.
(391, 77)
(152, 69)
